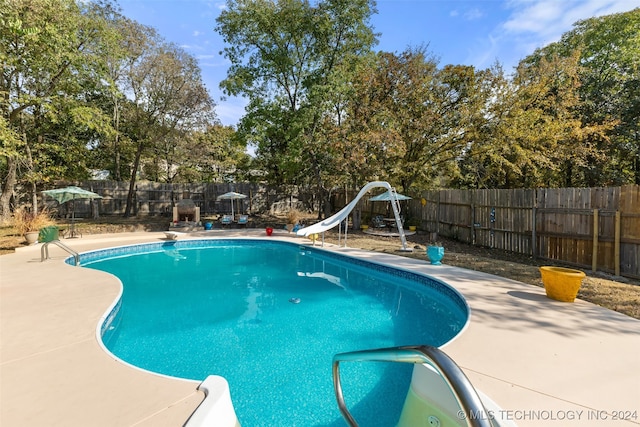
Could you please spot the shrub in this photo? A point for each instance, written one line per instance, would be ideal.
(25, 221)
(293, 216)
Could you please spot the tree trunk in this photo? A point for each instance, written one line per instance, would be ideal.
(31, 167)
(116, 142)
(132, 181)
(8, 187)
(325, 202)
(34, 198)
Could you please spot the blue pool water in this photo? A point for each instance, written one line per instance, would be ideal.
(269, 316)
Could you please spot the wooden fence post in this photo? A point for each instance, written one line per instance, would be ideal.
(438, 214)
(472, 218)
(534, 243)
(616, 247)
(534, 252)
(594, 257)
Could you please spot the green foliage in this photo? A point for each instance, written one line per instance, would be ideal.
(569, 117)
(10, 140)
(408, 121)
(289, 58)
(214, 155)
(83, 87)
(608, 52)
(569, 112)
(533, 130)
(45, 46)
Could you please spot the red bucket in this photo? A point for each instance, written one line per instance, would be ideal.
(269, 231)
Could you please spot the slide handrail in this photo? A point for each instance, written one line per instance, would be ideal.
(337, 218)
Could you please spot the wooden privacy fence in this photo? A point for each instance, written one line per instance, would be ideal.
(153, 198)
(596, 228)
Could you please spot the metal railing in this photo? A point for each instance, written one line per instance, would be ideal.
(44, 251)
(464, 393)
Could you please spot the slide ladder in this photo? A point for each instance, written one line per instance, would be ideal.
(336, 219)
(395, 204)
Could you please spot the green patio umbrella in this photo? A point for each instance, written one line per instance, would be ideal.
(71, 193)
(63, 195)
(384, 197)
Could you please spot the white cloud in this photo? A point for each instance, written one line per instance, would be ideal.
(469, 14)
(536, 17)
(231, 111)
(197, 33)
(593, 8)
(473, 14)
(487, 54)
(532, 24)
(548, 19)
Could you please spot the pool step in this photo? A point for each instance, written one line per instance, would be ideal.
(216, 409)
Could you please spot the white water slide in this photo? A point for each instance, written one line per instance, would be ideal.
(336, 219)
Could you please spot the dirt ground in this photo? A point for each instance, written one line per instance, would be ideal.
(616, 293)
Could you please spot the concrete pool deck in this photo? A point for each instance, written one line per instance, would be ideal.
(543, 362)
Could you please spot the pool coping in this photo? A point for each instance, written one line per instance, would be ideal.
(538, 359)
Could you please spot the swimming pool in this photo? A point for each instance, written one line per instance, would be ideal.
(269, 316)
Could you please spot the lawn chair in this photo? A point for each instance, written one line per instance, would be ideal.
(243, 220)
(378, 221)
(226, 220)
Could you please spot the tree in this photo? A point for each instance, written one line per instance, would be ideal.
(167, 100)
(46, 47)
(533, 133)
(122, 51)
(216, 155)
(212, 155)
(286, 57)
(9, 152)
(609, 75)
(408, 120)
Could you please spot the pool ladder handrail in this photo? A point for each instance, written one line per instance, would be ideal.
(44, 251)
(464, 393)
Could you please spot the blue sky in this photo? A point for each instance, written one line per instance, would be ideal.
(465, 32)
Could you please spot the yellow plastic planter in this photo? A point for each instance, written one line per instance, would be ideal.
(561, 284)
